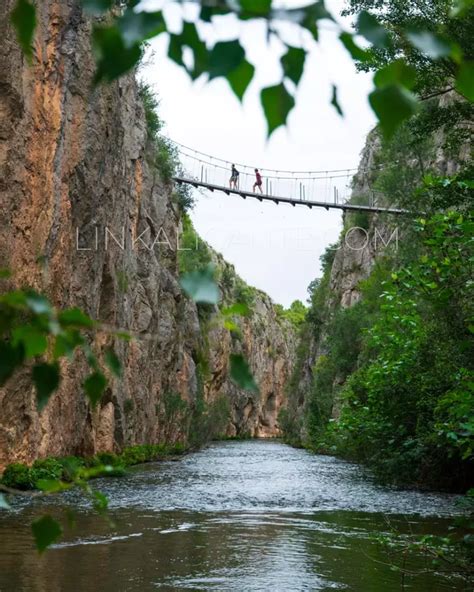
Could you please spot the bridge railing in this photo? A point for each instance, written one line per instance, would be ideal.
(321, 186)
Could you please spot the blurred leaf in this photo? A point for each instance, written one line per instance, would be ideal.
(97, 7)
(392, 104)
(240, 78)
(46, 378)
(100, 501)
(74, 317)
(4, 505)
(369, 27)
(33, 340)
(277, 104)
(357, 53)
(189, 37)
(113, 363)
(461, 6)
(95, 385)
(38, 303)
(256, 7)
(139, 26)
(10, 358)
(241, 374)
(397, 72)
(293, 63)
(465, 80)
(65, 344)
(432, 45)
(45, 531)
(231, 326)
(335, 102)
(225, 57)
(114, 58)
(5, 274)
(23, 18)
(201, 286)
(52, 485)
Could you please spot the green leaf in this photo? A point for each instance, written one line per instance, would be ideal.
(100, 502)
(293, 63)
(97, 7)
(256, 7)
(432, 45)
(4, 505)
(357, 53)
(136, 27)
(5, 274)
(113, 363)
(465, 80)
(201, 286)
(241, 374)
(65, 344)
(32, 339)
(95, 385)
(240, 78)
(45, 531)
(369, 27)
(335, 102)
(397, 72)
(74, 317)
(114, 58)
(190, 38)
(392, 104)
(10, 358)
(277, 104)
(225, 57)
(23, 18)
(46, 378)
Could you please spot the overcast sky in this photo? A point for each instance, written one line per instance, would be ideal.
(276, 249)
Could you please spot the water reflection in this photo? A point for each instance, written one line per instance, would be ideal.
(242, 516)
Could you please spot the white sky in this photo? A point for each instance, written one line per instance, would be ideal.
(275, 248)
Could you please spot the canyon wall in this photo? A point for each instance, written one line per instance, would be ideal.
(82, 204)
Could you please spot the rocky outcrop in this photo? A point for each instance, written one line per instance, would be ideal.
(268, 342)
(82, 215)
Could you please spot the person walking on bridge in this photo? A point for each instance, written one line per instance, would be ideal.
(258, 181)
(234, 178)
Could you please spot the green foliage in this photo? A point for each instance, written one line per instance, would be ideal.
(296, 314)
(408, 410)
(30, 328)
(193, 252)
(165, 154)
(434, 41)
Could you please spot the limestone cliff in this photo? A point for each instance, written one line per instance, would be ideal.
(83, 209)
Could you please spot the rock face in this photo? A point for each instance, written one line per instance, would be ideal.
(81, 209)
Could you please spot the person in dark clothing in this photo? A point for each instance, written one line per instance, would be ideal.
(258, 181)
(234, 178)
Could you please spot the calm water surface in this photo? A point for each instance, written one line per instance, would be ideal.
(253, 516)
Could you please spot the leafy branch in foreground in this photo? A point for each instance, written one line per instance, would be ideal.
(398, 51)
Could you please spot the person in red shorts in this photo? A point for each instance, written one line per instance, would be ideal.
(258, 181)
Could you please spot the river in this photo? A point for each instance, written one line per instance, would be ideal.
(249, 516)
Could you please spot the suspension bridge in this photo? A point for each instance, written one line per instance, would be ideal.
(328, 189)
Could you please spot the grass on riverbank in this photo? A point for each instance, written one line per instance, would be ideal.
(24, 477)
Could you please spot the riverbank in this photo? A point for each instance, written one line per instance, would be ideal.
(24, 477)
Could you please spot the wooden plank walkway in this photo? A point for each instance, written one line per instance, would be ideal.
(277, 199)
